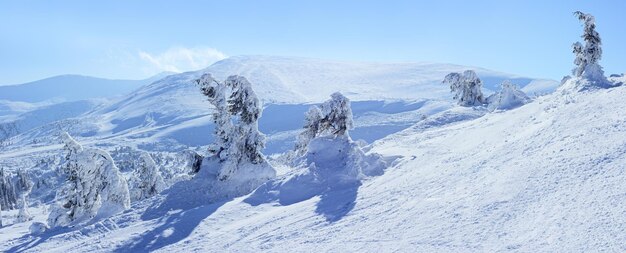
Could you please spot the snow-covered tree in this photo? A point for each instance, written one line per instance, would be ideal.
(312, 121)
(146, 180)
(331, 118)
(216, 95)
(237, 111)
(466, 87)
(8, 196)
(337, 113)
(69, 202)
(23, 186)
(587, 57)
(244, 104)
(93, 186)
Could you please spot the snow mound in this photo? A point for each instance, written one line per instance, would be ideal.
(331, 166)
(509, 97)
(37, 228)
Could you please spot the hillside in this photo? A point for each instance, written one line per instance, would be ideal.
(529, 179)
(71, 88)
(388, 98)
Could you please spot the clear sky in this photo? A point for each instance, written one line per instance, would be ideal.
(135, 39)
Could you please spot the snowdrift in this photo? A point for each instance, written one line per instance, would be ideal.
(333, 167)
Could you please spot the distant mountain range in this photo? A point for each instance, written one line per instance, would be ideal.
(71, 88)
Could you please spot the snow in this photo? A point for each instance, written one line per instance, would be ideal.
(417, 174)
(509, 97)
(547, 176)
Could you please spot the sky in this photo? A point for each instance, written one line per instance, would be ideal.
(137, 39)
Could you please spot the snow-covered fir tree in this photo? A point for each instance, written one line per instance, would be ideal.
(331, 118)
(146, 180)
(312, 120)
(588, 71)
(466, 87)
(8, 196)
(337, 113)
(237, 111)
(93, 186)
(216, 95)
(69, 204)
(243, 104)
(23, 185)
(588, 57)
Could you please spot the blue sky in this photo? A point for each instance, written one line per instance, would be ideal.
(136, 39)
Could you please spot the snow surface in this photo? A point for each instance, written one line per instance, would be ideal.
(545, 177)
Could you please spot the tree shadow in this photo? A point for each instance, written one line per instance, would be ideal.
(186, 204)
(336, 199)
(337, 203)
(174, 228)
(34, 240)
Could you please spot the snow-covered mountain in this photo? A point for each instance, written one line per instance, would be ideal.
(71, 88)
(30, 105)
(387, 97)
(547, 177)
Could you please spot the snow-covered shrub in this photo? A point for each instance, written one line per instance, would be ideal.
(37, 228)
(177, 166)
(509, 97)
(466, 87)
(94, 186)
(146, 180)
(588, 73)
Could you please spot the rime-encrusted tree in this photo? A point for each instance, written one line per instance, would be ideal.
(244, 104)
(312, 120)
(23, 185)
(216, 95)
(237, 111)
(466, 87)
(331, 118)
(69, 202)
(8, 196)
(93, 186)
(337, 113)
(588, 57)
(147, 179)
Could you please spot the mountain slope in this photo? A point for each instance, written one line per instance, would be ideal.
(174, 108)
(71, 88)
(546, 177)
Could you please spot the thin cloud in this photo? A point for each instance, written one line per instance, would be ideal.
(180, 59)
